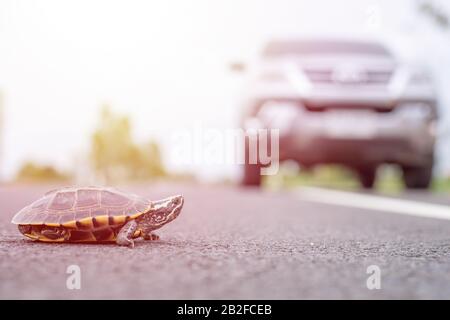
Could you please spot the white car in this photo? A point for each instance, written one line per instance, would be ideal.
(346, 102)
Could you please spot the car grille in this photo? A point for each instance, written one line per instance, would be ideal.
(326, 76)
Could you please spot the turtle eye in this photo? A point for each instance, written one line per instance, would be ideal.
(176, 201)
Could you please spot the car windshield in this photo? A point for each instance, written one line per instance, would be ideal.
(279, 48)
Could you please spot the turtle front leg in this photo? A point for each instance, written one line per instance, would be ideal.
(126, 233)
(147, 235)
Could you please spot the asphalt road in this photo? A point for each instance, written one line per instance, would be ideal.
(230, 243)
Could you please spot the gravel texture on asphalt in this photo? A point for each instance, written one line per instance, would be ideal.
(231, 243)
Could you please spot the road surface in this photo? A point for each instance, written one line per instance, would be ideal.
(230, 243)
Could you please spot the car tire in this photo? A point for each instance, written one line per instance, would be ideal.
(251, 172)
(418, 177)
(367, 177)
(251, 176)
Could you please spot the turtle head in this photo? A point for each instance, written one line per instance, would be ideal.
(163, 211)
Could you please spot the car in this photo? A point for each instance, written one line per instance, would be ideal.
(349, 102)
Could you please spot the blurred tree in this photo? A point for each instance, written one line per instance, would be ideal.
(114, 155)
(32, 172)
(435, 12)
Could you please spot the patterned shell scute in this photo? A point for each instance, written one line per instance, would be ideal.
(63, 201)
(112, 199)
(87, 198)
(74, 204)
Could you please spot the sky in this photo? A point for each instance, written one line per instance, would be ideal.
(165, 64)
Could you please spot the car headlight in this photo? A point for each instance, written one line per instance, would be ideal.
(419, 77)
(279, 115)
(272, 76)
(253, 123)
(415, 110)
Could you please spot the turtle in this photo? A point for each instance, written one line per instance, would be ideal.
(95, 214)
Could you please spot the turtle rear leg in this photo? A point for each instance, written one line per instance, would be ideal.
(54, 234)
(126, 234)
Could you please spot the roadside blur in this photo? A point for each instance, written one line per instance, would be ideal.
(357, 90)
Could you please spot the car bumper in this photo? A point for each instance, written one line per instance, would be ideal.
(364, 137)
(352, 152)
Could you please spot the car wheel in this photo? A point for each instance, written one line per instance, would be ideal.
(367, 177)
(251, 176)
(418, 177)
(251, 172)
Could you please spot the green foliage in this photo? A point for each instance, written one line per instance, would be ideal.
(435, 13)
(334, 176)
(32, 172)
(441, 185)
(389, 179)
(114, 155)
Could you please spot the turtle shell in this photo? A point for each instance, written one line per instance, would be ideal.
(83, 208)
